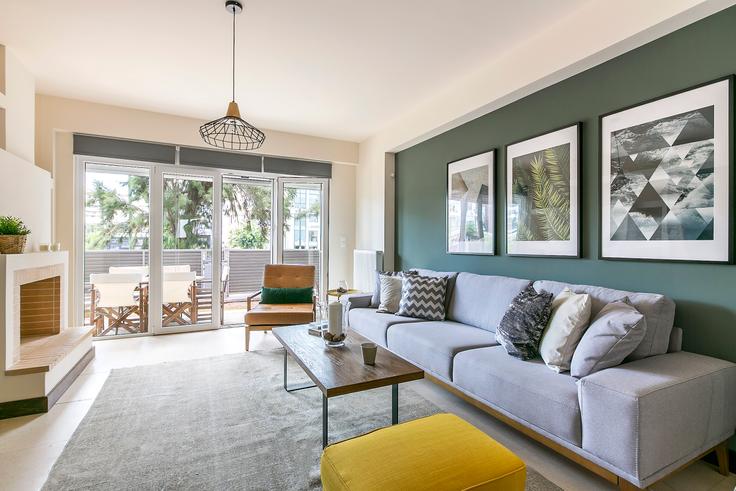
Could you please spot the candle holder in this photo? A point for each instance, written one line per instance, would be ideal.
(332, 340)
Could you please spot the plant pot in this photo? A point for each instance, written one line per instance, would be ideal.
(12, 244)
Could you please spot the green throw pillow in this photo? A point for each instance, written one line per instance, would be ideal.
(286, 295)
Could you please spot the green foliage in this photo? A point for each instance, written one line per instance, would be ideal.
(187, 213)
(541, 187)
(13, 226)
(244, 237)
(121, 217)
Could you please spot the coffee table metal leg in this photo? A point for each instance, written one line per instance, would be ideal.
(394, 404)
(324, 421)
(294, 387)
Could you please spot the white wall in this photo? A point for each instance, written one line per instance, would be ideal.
(598, 31)
(18, 102)
(25, 192)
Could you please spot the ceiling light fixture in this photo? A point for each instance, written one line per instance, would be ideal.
(231, 131)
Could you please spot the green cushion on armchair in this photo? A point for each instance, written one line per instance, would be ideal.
(286, 295)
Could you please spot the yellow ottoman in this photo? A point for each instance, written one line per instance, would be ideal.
(440, 452)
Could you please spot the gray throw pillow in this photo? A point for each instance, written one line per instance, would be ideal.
(423, 297)
(376, 297)
(523, 323)
(450, 275)
(390, 294)
(612, 336)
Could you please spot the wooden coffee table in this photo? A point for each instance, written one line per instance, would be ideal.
(340, 371)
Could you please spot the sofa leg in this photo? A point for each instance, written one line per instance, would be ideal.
(625, 485)
(247, 338)
(722, 457)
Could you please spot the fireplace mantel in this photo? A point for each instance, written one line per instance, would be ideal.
(39, 365)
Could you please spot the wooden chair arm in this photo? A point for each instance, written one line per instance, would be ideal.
(249, 298)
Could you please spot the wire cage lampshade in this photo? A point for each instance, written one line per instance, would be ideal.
(231, 131)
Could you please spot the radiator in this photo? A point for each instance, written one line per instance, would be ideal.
(365, 265)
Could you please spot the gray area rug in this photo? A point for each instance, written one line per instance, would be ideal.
(218, 423)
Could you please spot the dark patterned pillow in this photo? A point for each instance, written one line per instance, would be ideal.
(521, 327)
(423, 297)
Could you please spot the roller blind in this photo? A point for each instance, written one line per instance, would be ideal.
(98, 146)
(294, 167)
(219, 160)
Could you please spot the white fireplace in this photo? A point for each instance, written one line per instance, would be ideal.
(40, 351)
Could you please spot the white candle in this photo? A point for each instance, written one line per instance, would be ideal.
(334, 324)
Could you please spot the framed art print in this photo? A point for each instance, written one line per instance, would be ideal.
(666, 178)
(470, 205)
(543, 195)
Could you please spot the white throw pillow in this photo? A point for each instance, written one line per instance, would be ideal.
(570, 317)
(390, 294)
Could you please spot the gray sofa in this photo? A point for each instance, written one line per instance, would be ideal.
(637, 422)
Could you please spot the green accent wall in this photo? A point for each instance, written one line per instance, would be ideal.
(705, 294)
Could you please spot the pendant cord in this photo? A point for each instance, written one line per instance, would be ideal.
(233, 55)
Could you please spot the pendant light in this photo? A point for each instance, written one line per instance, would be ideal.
(231, 131)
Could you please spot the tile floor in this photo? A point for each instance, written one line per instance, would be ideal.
(29, 445)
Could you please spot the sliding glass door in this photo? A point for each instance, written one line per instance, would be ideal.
(115, 248)
(186, 246)
(187, 250)
(303, 230)
(247, 230)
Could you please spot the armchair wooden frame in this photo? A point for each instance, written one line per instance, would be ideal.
(280, 276)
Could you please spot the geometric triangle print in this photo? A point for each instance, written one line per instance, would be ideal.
(682, 150)
(699, 127)
(651, 204)
(692, 223)
(628, 231)
(672, 130)
(707, 233)
(670, 199)
(647, 225)
(618, 213)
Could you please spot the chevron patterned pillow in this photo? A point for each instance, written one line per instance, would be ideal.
(423, 297)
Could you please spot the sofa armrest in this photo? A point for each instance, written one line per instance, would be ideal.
(650, 416)
(356, 301)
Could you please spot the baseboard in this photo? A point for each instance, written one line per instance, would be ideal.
(711, 459)
(37, 405)
(13, 409)
(56, 393)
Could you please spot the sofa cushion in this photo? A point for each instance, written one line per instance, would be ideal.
(521, 327)
(482, 300)
(390, 294)
(432, 345)
(527, 389)
(450, 275)
(658, 310)
(614, 333)
(283, 314)
(374, 325)
(567, 324)
(423, 297)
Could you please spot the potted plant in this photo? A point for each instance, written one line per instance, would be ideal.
(13, 235)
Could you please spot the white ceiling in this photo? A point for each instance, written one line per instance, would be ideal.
(334, 68)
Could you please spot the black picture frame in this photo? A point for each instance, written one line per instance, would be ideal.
(730, 184)
(491, 200)
(578, 189)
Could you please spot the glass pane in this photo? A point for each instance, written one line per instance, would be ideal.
(302, 227)
(246, 241)
(187, 250)
(116, 253)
